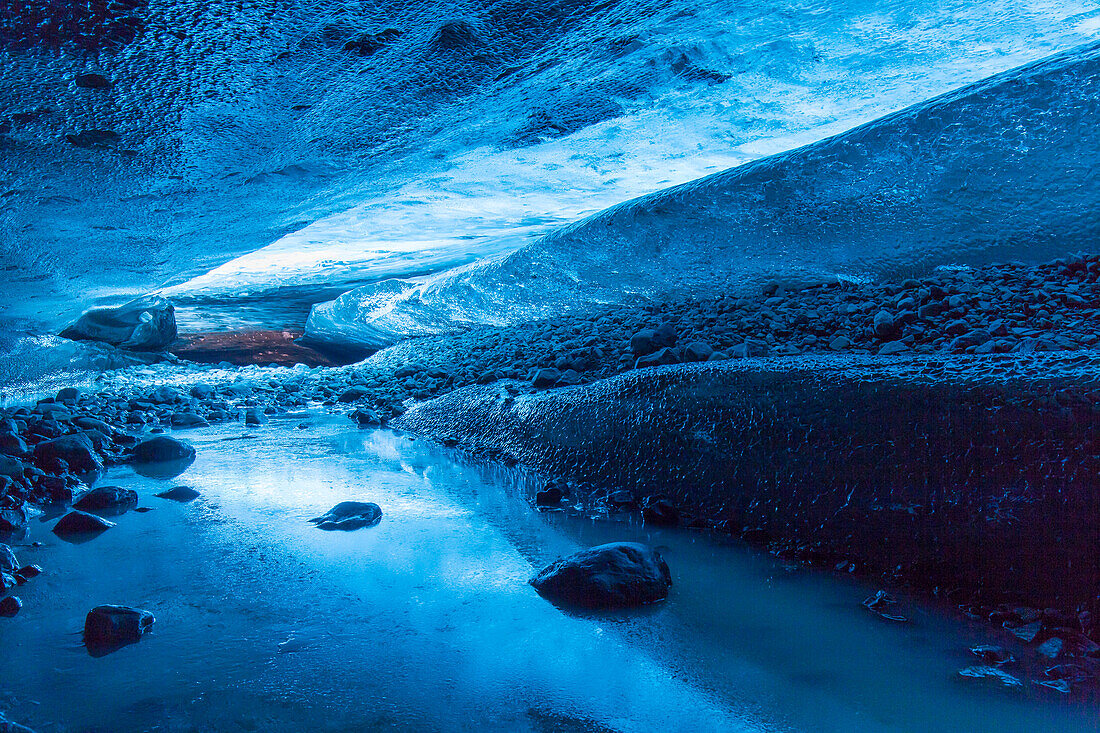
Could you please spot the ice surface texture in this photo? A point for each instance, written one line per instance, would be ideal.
(1002, 169)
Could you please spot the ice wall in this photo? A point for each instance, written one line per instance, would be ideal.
(1008, 168)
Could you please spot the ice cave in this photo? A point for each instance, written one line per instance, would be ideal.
(570, 366)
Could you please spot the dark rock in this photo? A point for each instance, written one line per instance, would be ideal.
(9, 606)
(550, 497)
(76, 450)
(188, 420)
(644, 342)
(12, 445)
(659, 512)
(11, 467)
(697, 351)
(992, 674)
(254, 416)
(92, 81)
(882, 604)
(110, 627)
(161, 449)
(181, 494)
(27, 572)
(349, 515)
(616, 575)
(893, 347)
(77, 524)
(366, 418)
(113, 499)
(658, 358)
(884, 324)
(991, 654)
(353, 394)
(545, 378)
(145, 324)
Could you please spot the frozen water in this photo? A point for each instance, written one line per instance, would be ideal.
(359, 155)
(1002, 169)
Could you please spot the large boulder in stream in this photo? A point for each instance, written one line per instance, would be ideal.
(77, 526)
(349, 515)
(615, 575)
(162, 456)
(145, 324)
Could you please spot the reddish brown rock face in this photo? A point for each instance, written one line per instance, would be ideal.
(251, 347)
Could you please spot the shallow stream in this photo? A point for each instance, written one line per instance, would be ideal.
(425, 622)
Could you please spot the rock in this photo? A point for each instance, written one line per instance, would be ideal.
(12, 445)
(353, 394)
(12, 519)
(883, 324)
(659, 512)
(113, 499)
(181, 494)
(11, 467)
(748, 349)
(615, 575)
(840, 343)
(976, 337)
(349, 515)
(27, 572)
(644, 342)
(8, 563)
(254, 417)
(202, 391)
(114, 626)
(991, 654)
(882, 604)
(697, 351)
(985, 672)
(9, 606)
(1051, 648)
(92, 81)
(67, 394)
(550, 497)
(81, 524)
(188, 420)
(76, 450)
(1027, 632)
(145, 324)
(893, 347)
(162, 448)
(366, 418)
(545, 378)
(658, 358)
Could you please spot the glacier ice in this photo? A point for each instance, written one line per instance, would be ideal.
(1002, 169)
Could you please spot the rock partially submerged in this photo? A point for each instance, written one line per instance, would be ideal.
(76, 450)
(107, 499)
(349, 515)
(145, 324)
(77, 526)
(182, 494)
(162, 448)
(615, 575)
(108, 627)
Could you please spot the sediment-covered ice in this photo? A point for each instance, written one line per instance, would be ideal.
(1002, 169)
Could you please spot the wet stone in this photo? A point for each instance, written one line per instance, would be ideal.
(615, 575)
(349, 515)
(108, 627)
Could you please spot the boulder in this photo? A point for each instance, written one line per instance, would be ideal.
(12, 445)
(114, 499)
(658, 358)
(115, 626)
(162, 448)
(145, 324)
(76, 450)
(78, 524)
(366, 418)
(349, 515)
(545, 378)
(615, 575)
(11, 467)
(660, 512)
